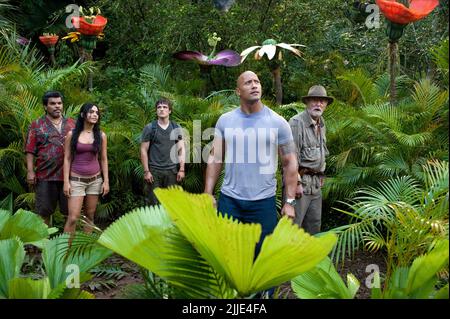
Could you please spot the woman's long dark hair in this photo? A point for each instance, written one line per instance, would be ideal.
(79, 126)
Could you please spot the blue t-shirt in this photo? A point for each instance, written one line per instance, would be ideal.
(251, 152)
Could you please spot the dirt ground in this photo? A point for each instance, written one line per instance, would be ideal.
(358, 266)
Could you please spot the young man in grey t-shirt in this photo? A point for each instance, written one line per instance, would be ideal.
(249, 138)
(162, 151)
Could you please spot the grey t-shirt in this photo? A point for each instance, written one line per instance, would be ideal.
(251, 152)
(163, 149)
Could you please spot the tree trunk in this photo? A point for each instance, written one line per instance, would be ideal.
(393, 47)
(276, 72)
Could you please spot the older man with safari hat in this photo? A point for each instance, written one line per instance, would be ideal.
(308, 129)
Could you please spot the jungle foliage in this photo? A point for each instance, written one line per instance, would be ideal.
(387, 174)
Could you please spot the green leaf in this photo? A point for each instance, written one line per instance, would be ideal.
(4, 217)
(7, 203)
(228, 246)
(324, 282)
(76, 293)
(26, 225)
(442, 293)
(27, 288)
(424, 268)
(12, 254)
(147, 237)
(60, 263)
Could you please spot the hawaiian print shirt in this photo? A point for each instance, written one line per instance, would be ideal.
(47, 145)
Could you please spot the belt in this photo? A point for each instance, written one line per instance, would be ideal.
(85, 180)
(308, 171)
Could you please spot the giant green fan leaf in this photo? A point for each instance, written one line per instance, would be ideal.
(26, 225)
(59, 266)
(27, 288)
(228, 246)
(324, 282)
(4, 217)
(147, 237)
(11, 259)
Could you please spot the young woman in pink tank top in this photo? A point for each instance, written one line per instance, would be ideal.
(85, 167)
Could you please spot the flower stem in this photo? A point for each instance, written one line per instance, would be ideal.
(393, 47)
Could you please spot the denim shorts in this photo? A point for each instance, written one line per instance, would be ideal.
(83, 188)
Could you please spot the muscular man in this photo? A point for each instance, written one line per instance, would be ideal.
(249, 138)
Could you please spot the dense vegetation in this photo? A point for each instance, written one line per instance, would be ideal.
(387, 175)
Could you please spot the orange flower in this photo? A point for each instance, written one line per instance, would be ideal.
(398, 13)
(48, 40)
(93, 27)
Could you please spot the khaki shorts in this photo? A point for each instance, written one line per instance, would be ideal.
(81, 188)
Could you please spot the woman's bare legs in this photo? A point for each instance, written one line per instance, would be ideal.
(75, 204)
(89, 210)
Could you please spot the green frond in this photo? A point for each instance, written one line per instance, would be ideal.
(436, 174)
(350, 238)
(362, 83)
(377, 203)
(374, 240)
(418, 281)
(387, 114)
(147, 237)
(105, 210)
(428, 96)
(413, 140)
(324, 282)
(229, 248)
(25, 225)
(155, 77)
(60, 263)
(12, 254)
(7, 204)
(54, 78)
(393, 164)
(440, 56)
(26, 199)
(27, 288)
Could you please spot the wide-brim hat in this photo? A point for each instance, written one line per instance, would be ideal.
(317, 91)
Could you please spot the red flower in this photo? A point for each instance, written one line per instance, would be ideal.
(89, 28)
(49, 40)
(398, 13)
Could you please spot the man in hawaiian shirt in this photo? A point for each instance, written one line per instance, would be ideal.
(45, 155)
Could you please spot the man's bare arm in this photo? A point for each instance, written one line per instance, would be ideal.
(289, 162)
(31, 176)
(215, 162)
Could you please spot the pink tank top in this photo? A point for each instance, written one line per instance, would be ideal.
(85, 161)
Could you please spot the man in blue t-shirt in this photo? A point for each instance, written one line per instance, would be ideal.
(249, 139)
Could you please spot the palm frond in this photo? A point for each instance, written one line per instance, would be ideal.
(12, 254)
(362, 83)
(61, 259)
(234, 261)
